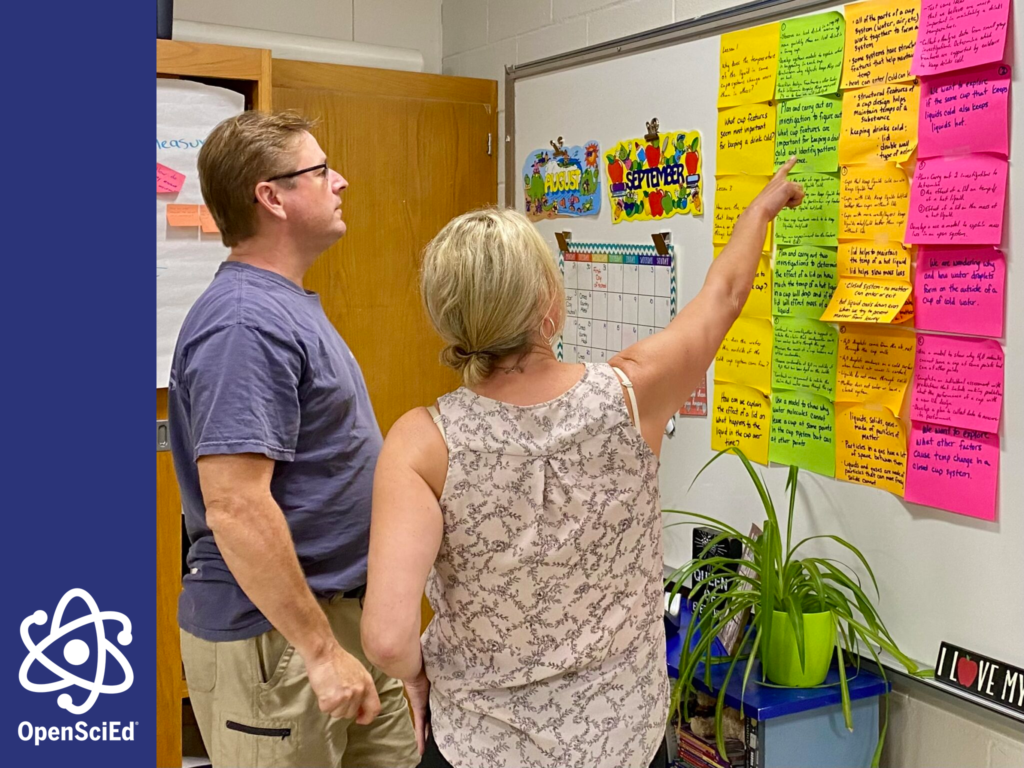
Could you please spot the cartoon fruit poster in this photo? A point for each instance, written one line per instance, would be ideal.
(655, 177)
(562, 181)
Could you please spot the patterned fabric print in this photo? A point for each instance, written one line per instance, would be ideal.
(547, 647)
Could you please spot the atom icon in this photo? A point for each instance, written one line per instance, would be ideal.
(76, 652)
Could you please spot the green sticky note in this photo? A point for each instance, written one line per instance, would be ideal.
(803, 432)
(809, 128)
(804, 356)
(804, 280)
(810, 55)
(816, 221)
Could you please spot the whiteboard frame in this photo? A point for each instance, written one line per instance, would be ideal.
(738, 17)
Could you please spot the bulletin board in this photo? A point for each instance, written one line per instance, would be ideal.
(943, 576)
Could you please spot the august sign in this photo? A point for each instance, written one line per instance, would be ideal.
(981, 676)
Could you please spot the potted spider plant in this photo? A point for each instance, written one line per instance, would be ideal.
(802, 609)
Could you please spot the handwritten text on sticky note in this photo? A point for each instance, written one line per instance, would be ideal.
(879, 123)
(805, 278)
(956, 34)
(875, 364)
(961, 290)
(957, 201)
(953, 469)
(885, 261)
(748, 61)
(871, 447)
(746, 140)
(804, 356)
(873, 202)
(964, 112)
(745, 356)
(803, 432)
(741, 418)
(810, 55)
(866, 301)
(880, 37)
(168, 179)
(958, 382)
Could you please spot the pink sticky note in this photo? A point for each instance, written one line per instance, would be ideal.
(956, 34)
(958, 382)
(953, 469)
(957, 201)
(965, 112)
(960, 290)
(168, 179)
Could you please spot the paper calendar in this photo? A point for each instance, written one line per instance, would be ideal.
(615, 295)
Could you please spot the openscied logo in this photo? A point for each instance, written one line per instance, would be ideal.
(76, 652)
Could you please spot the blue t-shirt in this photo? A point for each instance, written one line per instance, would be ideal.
(258, 368)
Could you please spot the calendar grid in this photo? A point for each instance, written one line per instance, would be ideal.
(615, 295)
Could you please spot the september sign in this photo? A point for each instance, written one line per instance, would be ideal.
(655, 177)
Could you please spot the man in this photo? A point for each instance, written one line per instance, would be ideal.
(274, 444)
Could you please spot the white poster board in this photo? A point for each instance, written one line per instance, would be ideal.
(186, 259)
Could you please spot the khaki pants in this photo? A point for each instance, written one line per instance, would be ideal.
(255, 706)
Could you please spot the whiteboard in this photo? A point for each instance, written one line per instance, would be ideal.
(942, 576)
(186, 258)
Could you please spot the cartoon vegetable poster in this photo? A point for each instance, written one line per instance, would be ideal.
(655, 177)
(563, 181)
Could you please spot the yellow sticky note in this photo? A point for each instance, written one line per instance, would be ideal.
(732, 196)
(746, 140)
(181, 215)
(878, 261)
(748, 64)
(866, 301)
(741, 417)
(879, 124)
(745, 356)
(871, 447)
(905, 316)
(875, 364)
(873, 202)
(880, 38)
(759, 302)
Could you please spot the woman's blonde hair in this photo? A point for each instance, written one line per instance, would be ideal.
(488, 282)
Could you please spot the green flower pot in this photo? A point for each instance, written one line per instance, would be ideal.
(782, 661)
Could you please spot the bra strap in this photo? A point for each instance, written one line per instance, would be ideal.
(436, 416)
(629, 391)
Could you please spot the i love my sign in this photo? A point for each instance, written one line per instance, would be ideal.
(981, 676)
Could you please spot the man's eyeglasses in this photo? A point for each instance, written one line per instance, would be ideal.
(318, 167)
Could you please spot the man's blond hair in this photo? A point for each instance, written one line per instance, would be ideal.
(238, 154)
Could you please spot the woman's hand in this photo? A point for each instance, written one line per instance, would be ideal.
(779, 193)
(418, 690)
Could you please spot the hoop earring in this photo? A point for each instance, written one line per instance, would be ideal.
(547, 339)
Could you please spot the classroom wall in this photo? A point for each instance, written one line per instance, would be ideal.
(928, 729)
(481, 37)
(412, 24)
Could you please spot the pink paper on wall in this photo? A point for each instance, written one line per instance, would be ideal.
(956, 34)
(957, 201)
(958, 382)
(965, 112)
(960, 290)
(168, 179)
(953, 469)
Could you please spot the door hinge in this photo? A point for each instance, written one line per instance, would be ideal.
(489, 144)
(163, 441)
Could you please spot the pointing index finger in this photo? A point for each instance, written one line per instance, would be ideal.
(786, 167)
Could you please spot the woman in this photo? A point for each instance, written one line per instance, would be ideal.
(527, 503)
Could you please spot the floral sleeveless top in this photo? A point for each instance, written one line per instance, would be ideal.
(547, 647)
